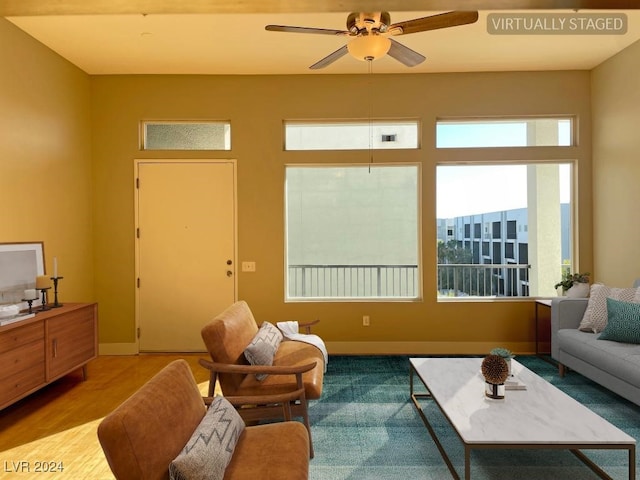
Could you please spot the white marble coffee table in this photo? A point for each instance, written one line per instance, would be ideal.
(541, 416)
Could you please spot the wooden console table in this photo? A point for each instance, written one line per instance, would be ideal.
(36, 351)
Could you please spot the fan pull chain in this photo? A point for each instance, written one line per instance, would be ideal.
(370, 62)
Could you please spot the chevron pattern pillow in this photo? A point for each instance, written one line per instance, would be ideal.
(263, 347)
(210, 448)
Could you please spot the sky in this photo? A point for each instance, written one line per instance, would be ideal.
(468, 190)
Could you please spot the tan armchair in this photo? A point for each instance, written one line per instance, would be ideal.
(296, 365)
(146, 432)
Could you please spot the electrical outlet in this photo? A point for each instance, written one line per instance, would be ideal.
(365, 321)
(248, 266)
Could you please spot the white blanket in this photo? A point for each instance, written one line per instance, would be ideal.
(290, 330)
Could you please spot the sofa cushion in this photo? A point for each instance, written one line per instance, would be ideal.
(595, 316)
(623, 324)
(211, 446)
(263, 347)
(621, 360)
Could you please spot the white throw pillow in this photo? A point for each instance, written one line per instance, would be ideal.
(595, 316)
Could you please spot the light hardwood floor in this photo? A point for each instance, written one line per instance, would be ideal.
(56, 426)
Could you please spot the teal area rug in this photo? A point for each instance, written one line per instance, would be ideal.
(365, 428)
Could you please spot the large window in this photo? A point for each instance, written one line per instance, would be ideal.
(524, 204)
(352, 232)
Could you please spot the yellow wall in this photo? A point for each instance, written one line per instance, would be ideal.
(616, 165)
(68, 142)
(45, 158)
(256, 106)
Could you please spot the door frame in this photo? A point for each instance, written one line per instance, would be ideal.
(136, 164)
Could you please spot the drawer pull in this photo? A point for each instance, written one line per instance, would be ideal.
(55, 347)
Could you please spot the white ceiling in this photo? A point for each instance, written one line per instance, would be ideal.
(237, 43)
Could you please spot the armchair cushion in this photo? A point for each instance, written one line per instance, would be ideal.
(255, 457)
(263, 347)
(211, 446)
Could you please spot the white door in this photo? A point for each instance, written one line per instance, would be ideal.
(185, 256)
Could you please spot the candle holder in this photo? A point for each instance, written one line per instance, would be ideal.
(44, 306)
(30, 303)
(55, 291)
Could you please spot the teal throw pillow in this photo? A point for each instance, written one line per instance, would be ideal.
(623, 322)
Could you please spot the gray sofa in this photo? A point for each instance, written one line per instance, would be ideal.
(613, 365)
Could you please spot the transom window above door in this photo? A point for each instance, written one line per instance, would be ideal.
(175, 135)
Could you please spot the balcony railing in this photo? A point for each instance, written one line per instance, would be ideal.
(353, 281)
(487, 280)
(401, 281)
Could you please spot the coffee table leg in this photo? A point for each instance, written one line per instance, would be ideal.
(467, 463)
(414, 398)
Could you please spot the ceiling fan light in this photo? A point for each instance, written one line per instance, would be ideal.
(369, 47)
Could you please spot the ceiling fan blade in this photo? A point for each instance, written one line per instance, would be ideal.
(404, 54)
(329, 59)
(290, 29)
(434, 22)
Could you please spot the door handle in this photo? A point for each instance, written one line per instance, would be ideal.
(229, 273)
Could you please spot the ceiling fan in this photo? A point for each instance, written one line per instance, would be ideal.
(370, 32)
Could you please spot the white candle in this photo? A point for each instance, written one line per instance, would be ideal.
(55, 267)
(30, 294)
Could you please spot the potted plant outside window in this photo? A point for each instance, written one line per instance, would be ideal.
(574, 285)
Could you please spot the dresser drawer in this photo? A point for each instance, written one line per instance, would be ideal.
(23, 370)
(20, 359)
(17, 337)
